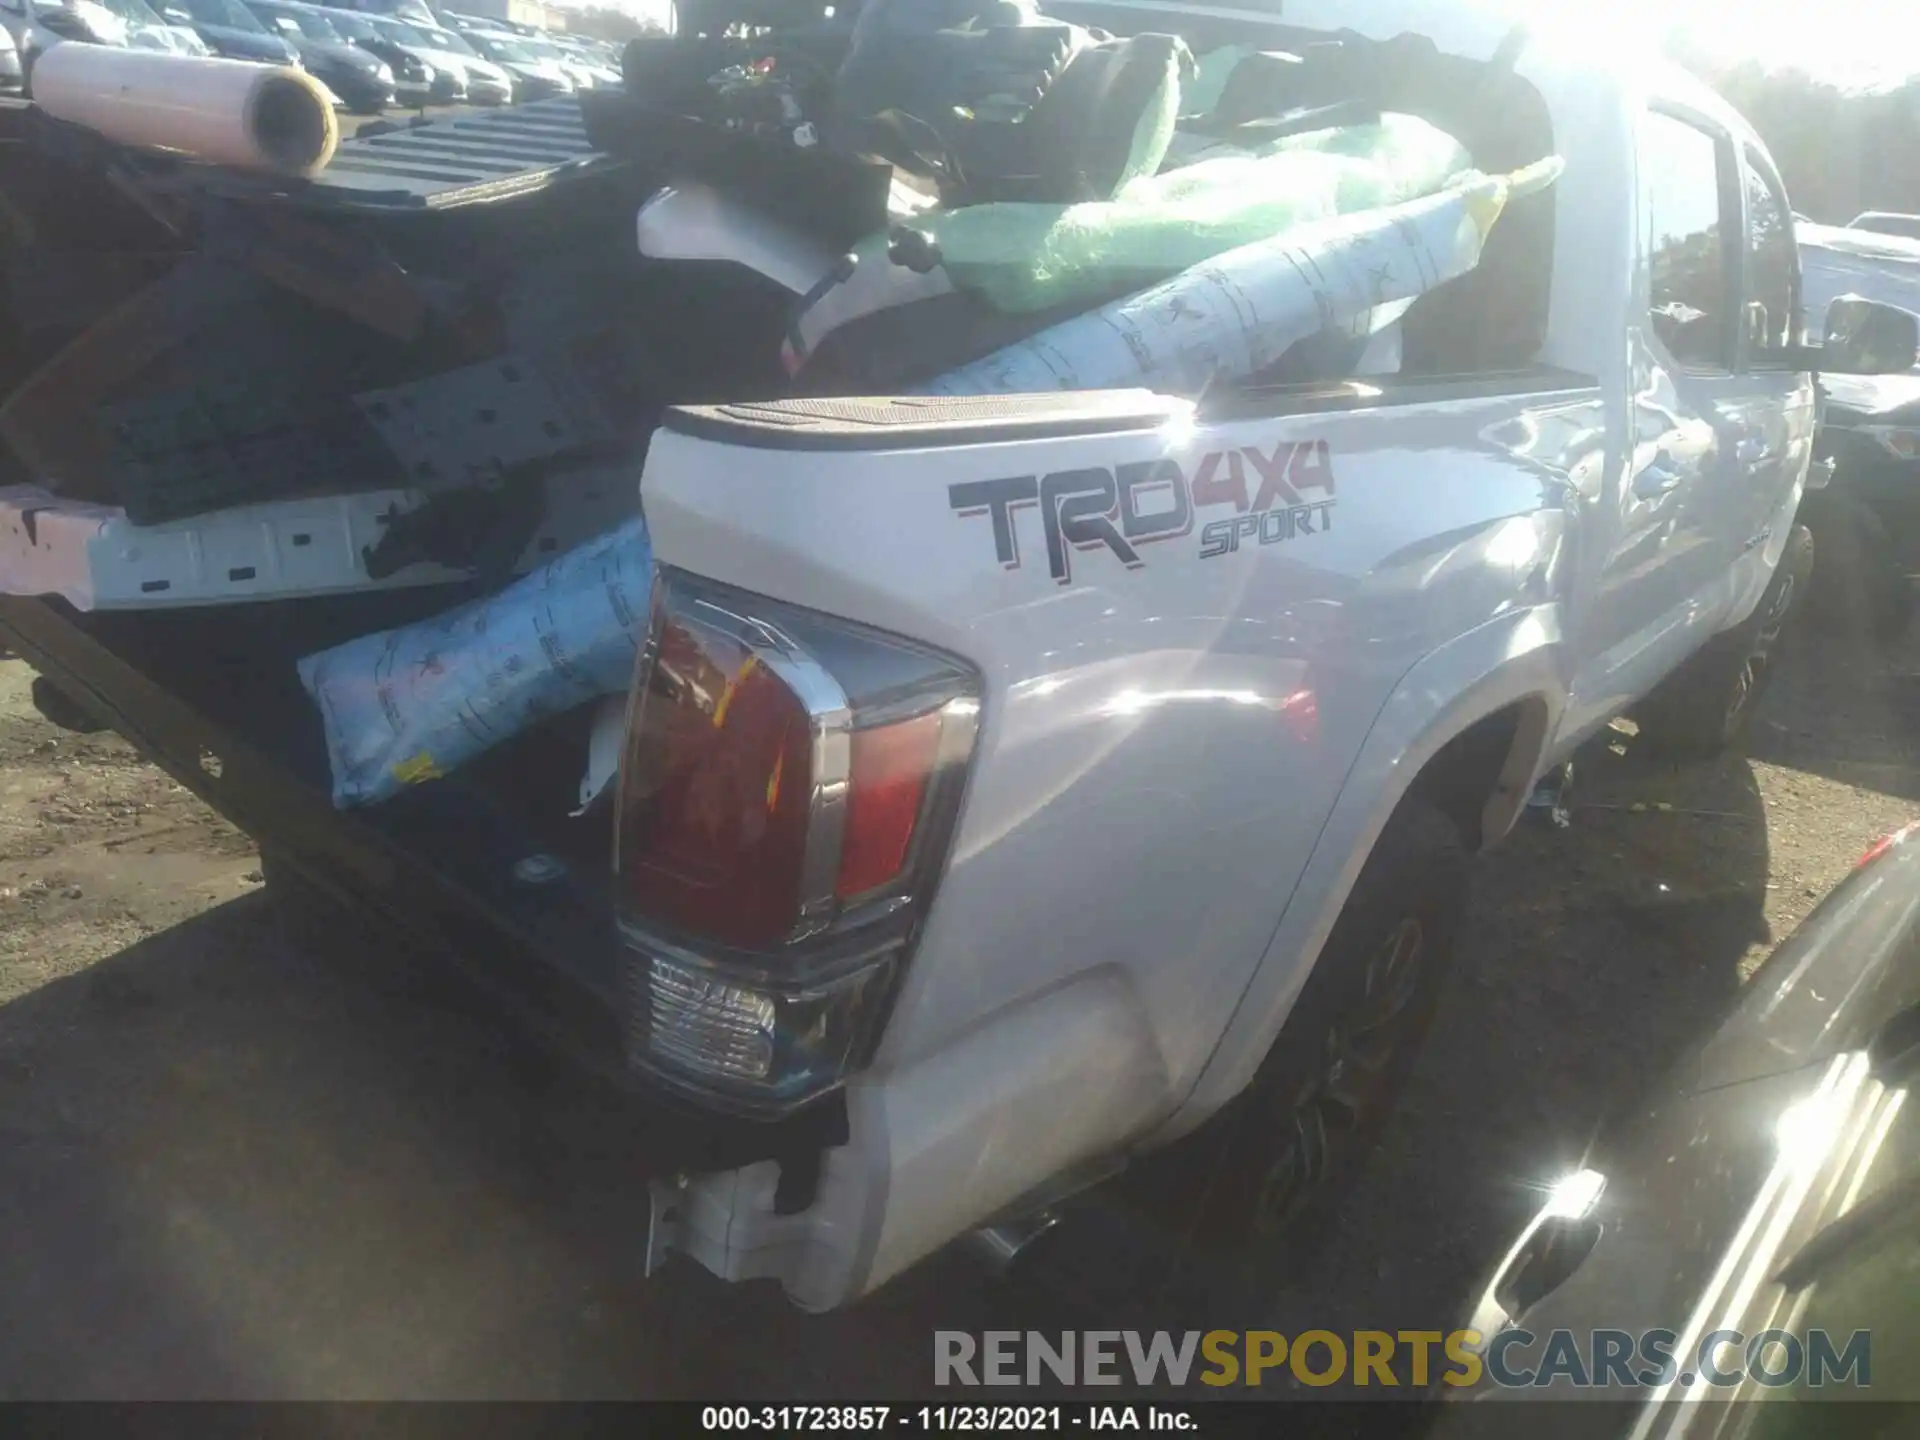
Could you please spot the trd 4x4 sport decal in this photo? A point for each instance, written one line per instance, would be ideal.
(1136, 504)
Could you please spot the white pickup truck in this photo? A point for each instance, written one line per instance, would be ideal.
(1027, 793)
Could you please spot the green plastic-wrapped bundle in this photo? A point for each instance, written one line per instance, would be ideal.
(1023, 258)
(1211, 72)
(1153, 131)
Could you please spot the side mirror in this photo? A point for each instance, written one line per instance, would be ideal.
(1865, 337)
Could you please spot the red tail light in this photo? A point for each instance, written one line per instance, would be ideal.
(891, 767)
(1884, 844)
(724, 753)
(788, 789)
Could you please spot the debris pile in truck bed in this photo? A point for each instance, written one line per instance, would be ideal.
(452, 305)
(1237, 315)
(457, 314)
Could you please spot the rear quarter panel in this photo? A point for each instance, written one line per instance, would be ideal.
(1164, 731)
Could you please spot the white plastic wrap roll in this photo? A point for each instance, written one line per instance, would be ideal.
(229, 112)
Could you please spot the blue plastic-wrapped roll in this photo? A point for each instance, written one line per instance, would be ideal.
(408, 705)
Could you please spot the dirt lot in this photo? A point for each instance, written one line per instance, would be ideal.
(239, 1163)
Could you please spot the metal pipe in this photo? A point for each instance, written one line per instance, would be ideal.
(1001, 1246)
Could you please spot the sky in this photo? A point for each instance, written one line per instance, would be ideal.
(1862, 41)
(1846, 42)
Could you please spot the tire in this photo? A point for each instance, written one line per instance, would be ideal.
(1860, 584)
(59, 708)
(1707, 705)
(1258, 1182)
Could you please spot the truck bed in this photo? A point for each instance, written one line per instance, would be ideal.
(212, 697)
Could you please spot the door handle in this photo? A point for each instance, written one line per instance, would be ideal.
(1545, 1262)
(1655, 478)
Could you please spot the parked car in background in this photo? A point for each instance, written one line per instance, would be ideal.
(416, 82)
(35, 25)
(1766, 1183)
(402, 9)
(1865, 518)
(1841, 260)
(453, 74)
(604, 68)
(446, 85)
(363, 81)
(533, 47)
(232, 30)
(487, 82)
(174, 38)
(1887, 222)
(535, 77)
(584, 76)
(149, 30)
(461, 21)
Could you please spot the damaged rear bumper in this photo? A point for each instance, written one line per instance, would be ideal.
(998, 1125)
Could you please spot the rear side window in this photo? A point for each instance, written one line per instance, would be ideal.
(1772, 271)
(1688, 235)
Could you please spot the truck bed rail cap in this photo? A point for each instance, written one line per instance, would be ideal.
(907, 421)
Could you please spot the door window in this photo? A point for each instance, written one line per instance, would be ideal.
(1688, 233)
(1772, 270)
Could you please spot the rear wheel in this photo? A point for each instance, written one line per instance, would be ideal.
(1264, 1173)
(1707, 704)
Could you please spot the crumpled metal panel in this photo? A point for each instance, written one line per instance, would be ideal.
(480, 421)
(487, 155)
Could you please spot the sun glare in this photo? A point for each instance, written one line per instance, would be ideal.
(1850, 43)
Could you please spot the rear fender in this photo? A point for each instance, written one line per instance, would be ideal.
(1162, 731)
(1519, 659)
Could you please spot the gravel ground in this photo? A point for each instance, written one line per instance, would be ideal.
(241, 1161)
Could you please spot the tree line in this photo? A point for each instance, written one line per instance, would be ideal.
(604, 22)
(1840, 151)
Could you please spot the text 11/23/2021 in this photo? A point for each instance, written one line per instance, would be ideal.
(941, 1419)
